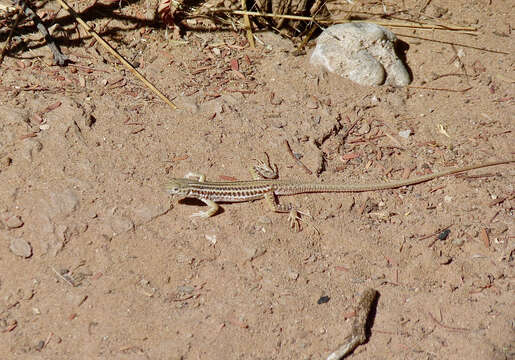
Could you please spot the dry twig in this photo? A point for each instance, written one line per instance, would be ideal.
(115, 53)
(358, 334)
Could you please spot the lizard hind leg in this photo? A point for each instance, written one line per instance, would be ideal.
(264, 170)
(294, 215)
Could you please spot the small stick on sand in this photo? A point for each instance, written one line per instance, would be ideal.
(358, 334)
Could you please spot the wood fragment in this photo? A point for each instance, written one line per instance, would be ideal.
(359, 333)
(439, 89)
(344, 136)
(453, 43)
(485, 238)
(248, 25)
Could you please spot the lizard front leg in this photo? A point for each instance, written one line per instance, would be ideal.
(212, 209)
(212, 206)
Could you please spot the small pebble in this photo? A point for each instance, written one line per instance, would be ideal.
(405, 133)
(6, 161)
(20, 247)
(39, 346)
(211, 239)
(445, 260)
(293, 275)
(364, 129)
(14, 222)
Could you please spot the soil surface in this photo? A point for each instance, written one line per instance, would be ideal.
(98, 261)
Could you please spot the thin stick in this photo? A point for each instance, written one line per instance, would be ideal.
(437, 89)
(62, 277)
(445, 326)
(246, 20)
(108, 47)
(59, 57)
(300, 48)
(290, 151)
(341, 21)
(350, 128)
(453, 43)
(358, 334)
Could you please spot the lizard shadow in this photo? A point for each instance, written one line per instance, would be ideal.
(197, 202)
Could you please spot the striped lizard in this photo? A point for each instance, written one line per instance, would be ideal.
(266, 186)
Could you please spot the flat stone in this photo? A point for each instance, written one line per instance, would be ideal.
(362, 52)
(20, 247)
(120, 224)
(63, 203)
(14, 222)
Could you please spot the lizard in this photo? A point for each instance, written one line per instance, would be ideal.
(265, 186)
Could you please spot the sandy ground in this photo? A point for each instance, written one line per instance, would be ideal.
(97, 261)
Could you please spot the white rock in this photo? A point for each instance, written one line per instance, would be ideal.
(361, 52)
(405, 133)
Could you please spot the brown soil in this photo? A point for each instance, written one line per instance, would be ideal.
(117, 270)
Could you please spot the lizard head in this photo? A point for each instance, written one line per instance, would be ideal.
(179, 187)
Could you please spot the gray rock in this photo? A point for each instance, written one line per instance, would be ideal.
(361, 52)
(20, 247)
